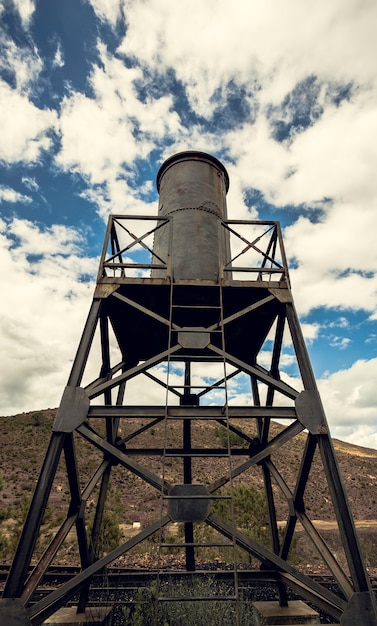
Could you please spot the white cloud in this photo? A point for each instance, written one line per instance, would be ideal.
(171, 32)
(117, 197)
(310, 331)
(339, 342)
(341, 322)
(25, 9)
(42, 312)
(58, 60)
(365, 436)
(286, 360)
(53, 241)
(372, 338)
(24, 63)
(25, 129)
(337, 260)
(97, 155)
(30, 183)
(7, 194)
(108, 10)
(334, 158)
(97, 134)
(330, 39)
(261, 162)
(350, 397)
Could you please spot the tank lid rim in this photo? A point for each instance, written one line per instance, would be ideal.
(191, 155)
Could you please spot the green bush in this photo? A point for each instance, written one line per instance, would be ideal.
(249, 512)
(5, 548)
(153, 605)
(7, 512)
(235, 440)
(111, 533)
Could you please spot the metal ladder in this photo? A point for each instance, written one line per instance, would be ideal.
(189, 494)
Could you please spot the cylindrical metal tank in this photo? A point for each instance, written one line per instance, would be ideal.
(192, 187)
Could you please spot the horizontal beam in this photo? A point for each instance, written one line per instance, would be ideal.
(189, 452)
(193, 412)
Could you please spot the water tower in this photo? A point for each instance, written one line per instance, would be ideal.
(183, 347)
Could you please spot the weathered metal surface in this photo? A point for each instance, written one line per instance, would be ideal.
(282, 294)
(188, 503)
(310, 411)
(104, 290)
(12, 613)
(73, 410)
(359, 611)
(194, 413)
(194, 339)
(192, 187)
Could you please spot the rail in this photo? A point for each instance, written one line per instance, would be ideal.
(257, 250)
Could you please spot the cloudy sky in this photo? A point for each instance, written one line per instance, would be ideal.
(95, 94)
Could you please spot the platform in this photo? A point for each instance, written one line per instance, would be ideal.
(297, 612)
(68, 616)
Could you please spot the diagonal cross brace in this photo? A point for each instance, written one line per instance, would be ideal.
(148, 476)
(258, 372)
(132, 372)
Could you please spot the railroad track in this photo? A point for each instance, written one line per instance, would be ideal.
(118, 588)
(118, 577)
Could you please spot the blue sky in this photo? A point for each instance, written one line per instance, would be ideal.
(95, 94)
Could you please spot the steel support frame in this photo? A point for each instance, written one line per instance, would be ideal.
(22, 585)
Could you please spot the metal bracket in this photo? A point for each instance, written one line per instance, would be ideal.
(360, 611)
(13, 613)
(194, 338)
(283, 295)
(73, 410)
(310, 412)
(188, 503)
(104, 290)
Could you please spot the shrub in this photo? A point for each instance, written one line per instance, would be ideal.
(150, 609)
(7, 512)
(249, 511)
(235, 440)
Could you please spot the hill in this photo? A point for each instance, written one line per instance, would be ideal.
(25, 438)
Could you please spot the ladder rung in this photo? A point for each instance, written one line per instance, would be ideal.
(198, 545)
(197, 455)
(197, 387)
(197, 497)
(194, 598)
(193, 417)
(196, 306)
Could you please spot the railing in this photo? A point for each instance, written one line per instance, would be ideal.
(257, 250)
(128, 247)
(259, 244)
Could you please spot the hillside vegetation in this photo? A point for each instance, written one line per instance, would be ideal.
(25, 438)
